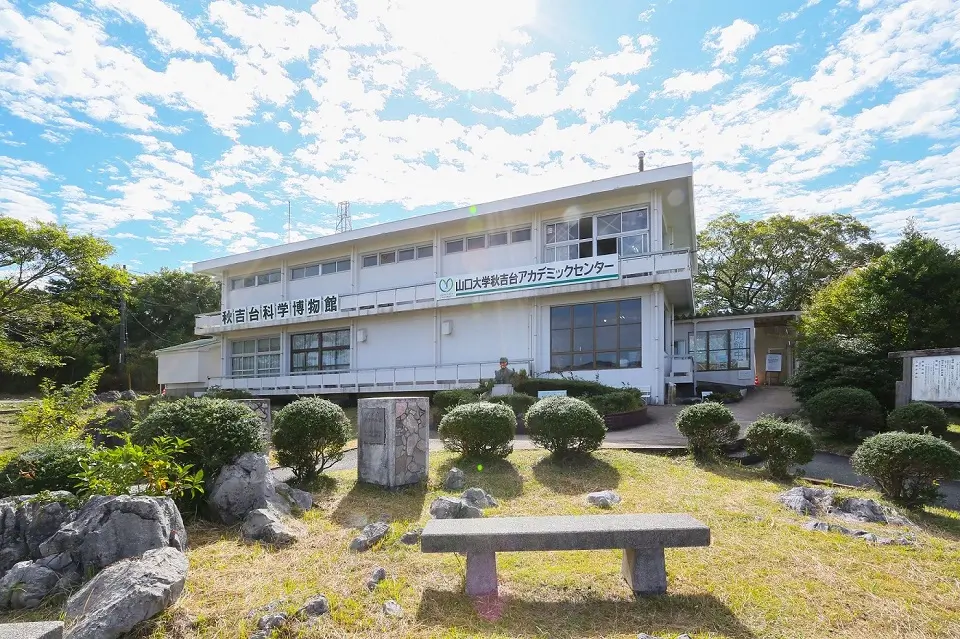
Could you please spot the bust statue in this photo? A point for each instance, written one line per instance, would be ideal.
(504, 375)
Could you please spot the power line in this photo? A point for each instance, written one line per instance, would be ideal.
(162, 339)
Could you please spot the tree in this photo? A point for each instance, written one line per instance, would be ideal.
(33, 259)
(907, 299)
(778, 262)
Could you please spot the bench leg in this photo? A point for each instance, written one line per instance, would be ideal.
(481, 574)
(645, 570)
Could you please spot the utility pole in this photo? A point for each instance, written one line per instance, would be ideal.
(123, 335)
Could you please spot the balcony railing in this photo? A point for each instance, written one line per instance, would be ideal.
(652, 267)
(371, 380)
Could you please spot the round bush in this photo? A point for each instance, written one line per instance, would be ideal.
(445, 400)
(518, 402)
(219, 431)
(480, 429)
(616, 402)
(844, 412)
(47, 466)
(707, 426)
(907, 466)
(918, 418)
(565, 425)
(780, 443)
(309, 435)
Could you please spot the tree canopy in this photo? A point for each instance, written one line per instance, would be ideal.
(776, 263)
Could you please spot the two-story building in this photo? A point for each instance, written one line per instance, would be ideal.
(583, 280)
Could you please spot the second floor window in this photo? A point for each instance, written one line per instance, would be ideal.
(324, 268)
(271, 277)
(624, 233)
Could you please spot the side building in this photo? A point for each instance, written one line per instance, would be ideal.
(582, 281)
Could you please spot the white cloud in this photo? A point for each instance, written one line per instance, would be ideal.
(284, 126)
(726, 42)
(167, 29)
(924, 110)
(21, 191)
(687, 83)
(793, 15)
(646, 14)
(778, 55)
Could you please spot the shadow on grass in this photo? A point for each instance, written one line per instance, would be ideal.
(366, 503)
(666, 614)
(498, 477)
(936, 524)
(736, 472)
(576, 474)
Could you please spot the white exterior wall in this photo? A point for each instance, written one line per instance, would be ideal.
(486, 332)
(179, 367)
(734, 378)
(393, 341)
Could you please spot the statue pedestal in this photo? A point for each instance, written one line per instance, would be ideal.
(393, 440)
(499, 390)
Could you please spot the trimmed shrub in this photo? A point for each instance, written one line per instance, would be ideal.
(565, 425)
(447, 399)
(219, 431)
(215, 392)
(518, 402)
(907, 466)
(47, 466)
(843, 362)
(309, 435)
(616, 402)
(707, 426)
(479, 429)
(844, 412)
(780, 444)
(574, 387)
(918, 417)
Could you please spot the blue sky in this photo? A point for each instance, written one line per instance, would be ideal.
(179, 131)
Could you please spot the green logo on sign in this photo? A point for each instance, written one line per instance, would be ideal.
(446, 285)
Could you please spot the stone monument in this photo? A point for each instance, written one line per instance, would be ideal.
(502, 380)
(393, 439)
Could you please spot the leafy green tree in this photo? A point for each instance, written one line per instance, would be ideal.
(33, 259)
(776, 263)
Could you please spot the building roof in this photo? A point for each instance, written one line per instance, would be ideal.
(734, 315)
(635, 179)
(194, 345)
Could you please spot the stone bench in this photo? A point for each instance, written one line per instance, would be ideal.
(642, 538)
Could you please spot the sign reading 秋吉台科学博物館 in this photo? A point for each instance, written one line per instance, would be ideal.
(590, 269)
(280, 310)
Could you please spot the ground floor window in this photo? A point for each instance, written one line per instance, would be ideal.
(321, 351)
(725, 350)
(596, 336)
(255, 357)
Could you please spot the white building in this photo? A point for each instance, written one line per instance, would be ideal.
(584, 279)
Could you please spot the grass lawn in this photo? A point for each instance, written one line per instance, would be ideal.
(763, 576)
(10, 437)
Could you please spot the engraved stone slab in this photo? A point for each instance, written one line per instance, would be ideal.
(393, 440)
(372, 425)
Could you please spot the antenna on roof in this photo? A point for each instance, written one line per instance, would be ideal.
(640, 156)
(343, 217)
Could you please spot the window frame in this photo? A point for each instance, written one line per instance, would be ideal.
(464, 240)
(319, 265)
(256, 370)
(550, 248)
(620, 350)
(705, 365)
(319, 350)
(255, 279)
(417, 249)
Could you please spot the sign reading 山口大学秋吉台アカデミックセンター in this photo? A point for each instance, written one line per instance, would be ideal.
(590, 269)
(280, 310)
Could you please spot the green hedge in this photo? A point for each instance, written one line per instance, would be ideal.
(619, 401)
(447, 399)
(918, 417)
(479, 429)
(844, 412)
(518, 402)
(309, 435)
(707, 426)
(780, 444)
(47, 466)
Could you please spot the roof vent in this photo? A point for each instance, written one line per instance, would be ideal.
(640, 155)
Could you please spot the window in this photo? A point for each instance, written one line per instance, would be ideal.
(369, 260)
(406, 255)
(400, 255)
(255, 280)
(424, 251)
(727, 350)
(324, 268)
(388, 258)
(520, 235)
(324, 351)
(255, 357)
(499, 239)
(596, 336)
(496, 238)
(453, 246)
(625, 233)
(478, 242)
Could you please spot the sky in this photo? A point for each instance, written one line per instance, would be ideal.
(180, 131)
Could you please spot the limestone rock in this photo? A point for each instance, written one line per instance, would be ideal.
(455, 480)
(109, 396)
(26, 523)
(411, 536)
(867, 536)
(26, 585)
(248, 484)
(128, 395)
(392, 609)
(271, 621)
(108, 529)
(126, 593)
(604, 499)
(371, 535)
(478, 497)
(264, 525)
(451, 508)
(379, 574)
(807, 501)
(869, 511)
(314, 607)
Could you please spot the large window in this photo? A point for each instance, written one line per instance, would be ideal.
(323, 268)
(727, 350)
(625, 233)
(596, 336)
(407, 254)
(255, 280)
(489, 240)
(255, 357)
(324, 351)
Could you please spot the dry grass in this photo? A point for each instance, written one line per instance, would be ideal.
(763, 576)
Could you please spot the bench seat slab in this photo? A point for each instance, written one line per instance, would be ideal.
(645, 570)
